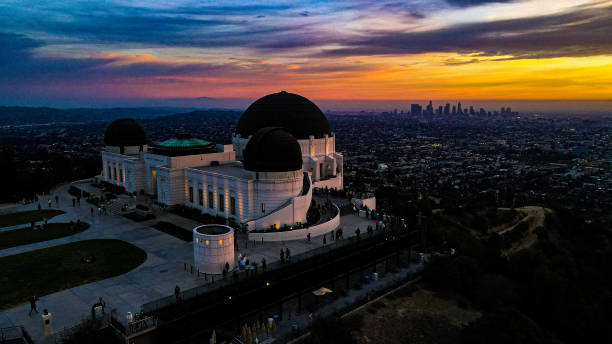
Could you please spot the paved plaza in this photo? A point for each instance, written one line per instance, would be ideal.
(155, 278)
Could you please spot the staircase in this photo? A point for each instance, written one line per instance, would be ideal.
(115, 207)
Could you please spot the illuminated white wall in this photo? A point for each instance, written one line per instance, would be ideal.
(211, 252)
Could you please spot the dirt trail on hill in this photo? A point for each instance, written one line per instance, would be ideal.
(535, 217)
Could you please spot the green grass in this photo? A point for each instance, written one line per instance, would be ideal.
(174, 230)
(29, 216)
(27, 235)
(45, 271)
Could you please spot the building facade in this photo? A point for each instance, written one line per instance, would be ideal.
(263, 179)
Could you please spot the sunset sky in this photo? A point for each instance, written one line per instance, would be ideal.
(121, 52)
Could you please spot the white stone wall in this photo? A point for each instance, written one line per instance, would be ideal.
(298, 234)
(228, 186)
(240, 145)
(319, 157)
(211, 252)
(171, 185)
(368, 202)
(279, 191)
(332, 183)
(119, 165)
(134, 175)
(153, 162)
(290, 213)
(201, 159)
(274, 189)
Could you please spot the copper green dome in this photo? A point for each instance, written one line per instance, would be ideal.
(298, 115)
(183, 144)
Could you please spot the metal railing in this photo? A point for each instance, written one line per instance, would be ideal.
(13, 334)
(139, 326)
(167, 301)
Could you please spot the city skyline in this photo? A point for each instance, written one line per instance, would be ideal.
(187, 53)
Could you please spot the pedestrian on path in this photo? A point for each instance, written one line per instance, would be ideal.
(91, 211)
(49, 202)
(324, 239)
(263, 264)
(287, 253)
(57, 200)
(308, 237)
(282, 256)
(177, 292)
(33, 300)
(332, 235)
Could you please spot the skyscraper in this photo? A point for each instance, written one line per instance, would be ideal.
(429, 109)
(447, 109)
(459, 111)
(415, 109)
(454, 110)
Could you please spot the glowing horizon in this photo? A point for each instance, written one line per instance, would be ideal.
(483, 50)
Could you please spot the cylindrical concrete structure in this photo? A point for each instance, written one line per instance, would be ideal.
(213, 246)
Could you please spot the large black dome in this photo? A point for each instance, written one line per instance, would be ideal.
(125, 132)
(272, 149)
(298, 115)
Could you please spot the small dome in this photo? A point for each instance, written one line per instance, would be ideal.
(296, 114)
(125, 132)
(272, 149)
(183, 144)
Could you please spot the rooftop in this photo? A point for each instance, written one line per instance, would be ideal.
(213, 229)
(233, 169)
(183, 144)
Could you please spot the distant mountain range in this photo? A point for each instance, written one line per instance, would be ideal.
(21, 115)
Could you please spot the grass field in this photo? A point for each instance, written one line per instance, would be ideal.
(27, 217)
(45, 271)
(174, 230)
(27, 235)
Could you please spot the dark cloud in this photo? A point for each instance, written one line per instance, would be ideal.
(19, 62)
(15, 47)
(455, 62)
(206, 26)
(581, 33)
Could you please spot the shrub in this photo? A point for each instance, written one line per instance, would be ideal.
(116, 189)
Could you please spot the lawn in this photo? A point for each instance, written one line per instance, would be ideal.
(29, 216)
(45, 271)
(27, 235)
(174, 230)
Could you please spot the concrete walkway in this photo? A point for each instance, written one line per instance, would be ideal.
(154, 279)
